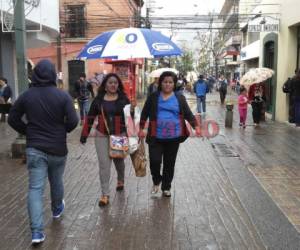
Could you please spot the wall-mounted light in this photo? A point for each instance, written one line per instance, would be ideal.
(263, 21)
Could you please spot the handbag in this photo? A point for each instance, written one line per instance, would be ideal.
(118, 144)
(132, 127)
(139, 160)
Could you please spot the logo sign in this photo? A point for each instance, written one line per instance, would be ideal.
(264, 24)
(131, 38)
(95, 49)
(243, 54)
(162, 46)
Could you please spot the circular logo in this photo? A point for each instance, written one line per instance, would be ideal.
(131, 38)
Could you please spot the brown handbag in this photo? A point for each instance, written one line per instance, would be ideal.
(139, 160)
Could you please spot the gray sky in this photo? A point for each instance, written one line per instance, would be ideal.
(182, 7)
(185, 7)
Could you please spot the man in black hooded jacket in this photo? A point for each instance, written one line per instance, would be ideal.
(49, 115)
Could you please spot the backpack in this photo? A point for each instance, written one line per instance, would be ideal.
(286, 88)
(223, 85)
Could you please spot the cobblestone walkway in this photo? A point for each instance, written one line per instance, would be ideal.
(204, 211)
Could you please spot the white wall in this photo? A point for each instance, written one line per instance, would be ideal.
(47, 12)
(287, 52)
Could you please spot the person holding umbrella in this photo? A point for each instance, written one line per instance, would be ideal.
(257, 96)
(255, 78)
(167, 112)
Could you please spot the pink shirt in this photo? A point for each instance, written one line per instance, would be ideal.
(243, 102)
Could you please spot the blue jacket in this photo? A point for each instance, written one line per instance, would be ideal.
(6, 93)
(201, 88)
(49, 112)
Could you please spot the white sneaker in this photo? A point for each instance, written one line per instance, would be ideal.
(155, 189)
(167, 193)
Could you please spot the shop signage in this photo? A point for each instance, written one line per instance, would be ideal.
(264, 24)
(251, 51)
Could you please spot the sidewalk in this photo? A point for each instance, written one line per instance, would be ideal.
(7, 135)
(214, 203)
(271, 153)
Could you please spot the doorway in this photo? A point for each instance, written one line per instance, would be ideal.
(75, 68)
(270, 63)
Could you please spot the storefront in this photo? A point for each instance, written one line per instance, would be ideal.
(270, 53)
(250, 56)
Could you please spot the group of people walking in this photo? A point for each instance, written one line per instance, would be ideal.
(256, 96)
(50, 115)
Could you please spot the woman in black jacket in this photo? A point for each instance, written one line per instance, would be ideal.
(167, 113)
(112, 98)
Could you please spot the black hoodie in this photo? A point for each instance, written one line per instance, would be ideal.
(49, 112)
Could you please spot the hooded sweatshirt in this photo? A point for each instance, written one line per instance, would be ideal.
(49, 112)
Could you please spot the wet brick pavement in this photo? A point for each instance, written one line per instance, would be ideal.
(205, 211)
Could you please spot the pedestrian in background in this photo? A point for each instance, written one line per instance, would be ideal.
(50, 115)
(167, 113)
(97, 80)
(257, 98)
(201, 89)
(223, 89)
(243, 106)
(83, 90)
(112, 99)
(211, 82)
(152, 87)
(295, 94)
(5, 96)
(181, 83)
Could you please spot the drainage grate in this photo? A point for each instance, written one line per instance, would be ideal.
(224, 150)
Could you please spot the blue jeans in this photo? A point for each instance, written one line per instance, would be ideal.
(201, 104)
(84, 108)
(40, 165)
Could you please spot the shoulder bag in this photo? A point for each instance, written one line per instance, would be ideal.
(118, 144)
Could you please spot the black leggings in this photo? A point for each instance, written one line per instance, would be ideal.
(256, 111)
(222, 96)
(166, 152)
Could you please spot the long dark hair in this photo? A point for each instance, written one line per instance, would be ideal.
(102, 91)
(164, 75)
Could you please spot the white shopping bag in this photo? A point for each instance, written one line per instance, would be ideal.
(132, 127)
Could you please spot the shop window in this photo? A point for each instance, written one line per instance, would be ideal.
(76, 21)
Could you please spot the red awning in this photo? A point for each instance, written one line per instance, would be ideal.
(230, 51)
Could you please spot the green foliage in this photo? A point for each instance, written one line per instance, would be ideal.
(186, 62)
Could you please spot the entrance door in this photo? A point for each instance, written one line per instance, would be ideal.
(269, 63)
(75, 68)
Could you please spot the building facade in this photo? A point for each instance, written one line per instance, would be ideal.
(42, 24)
(288, 55)
(81, 21)
(231, 38)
